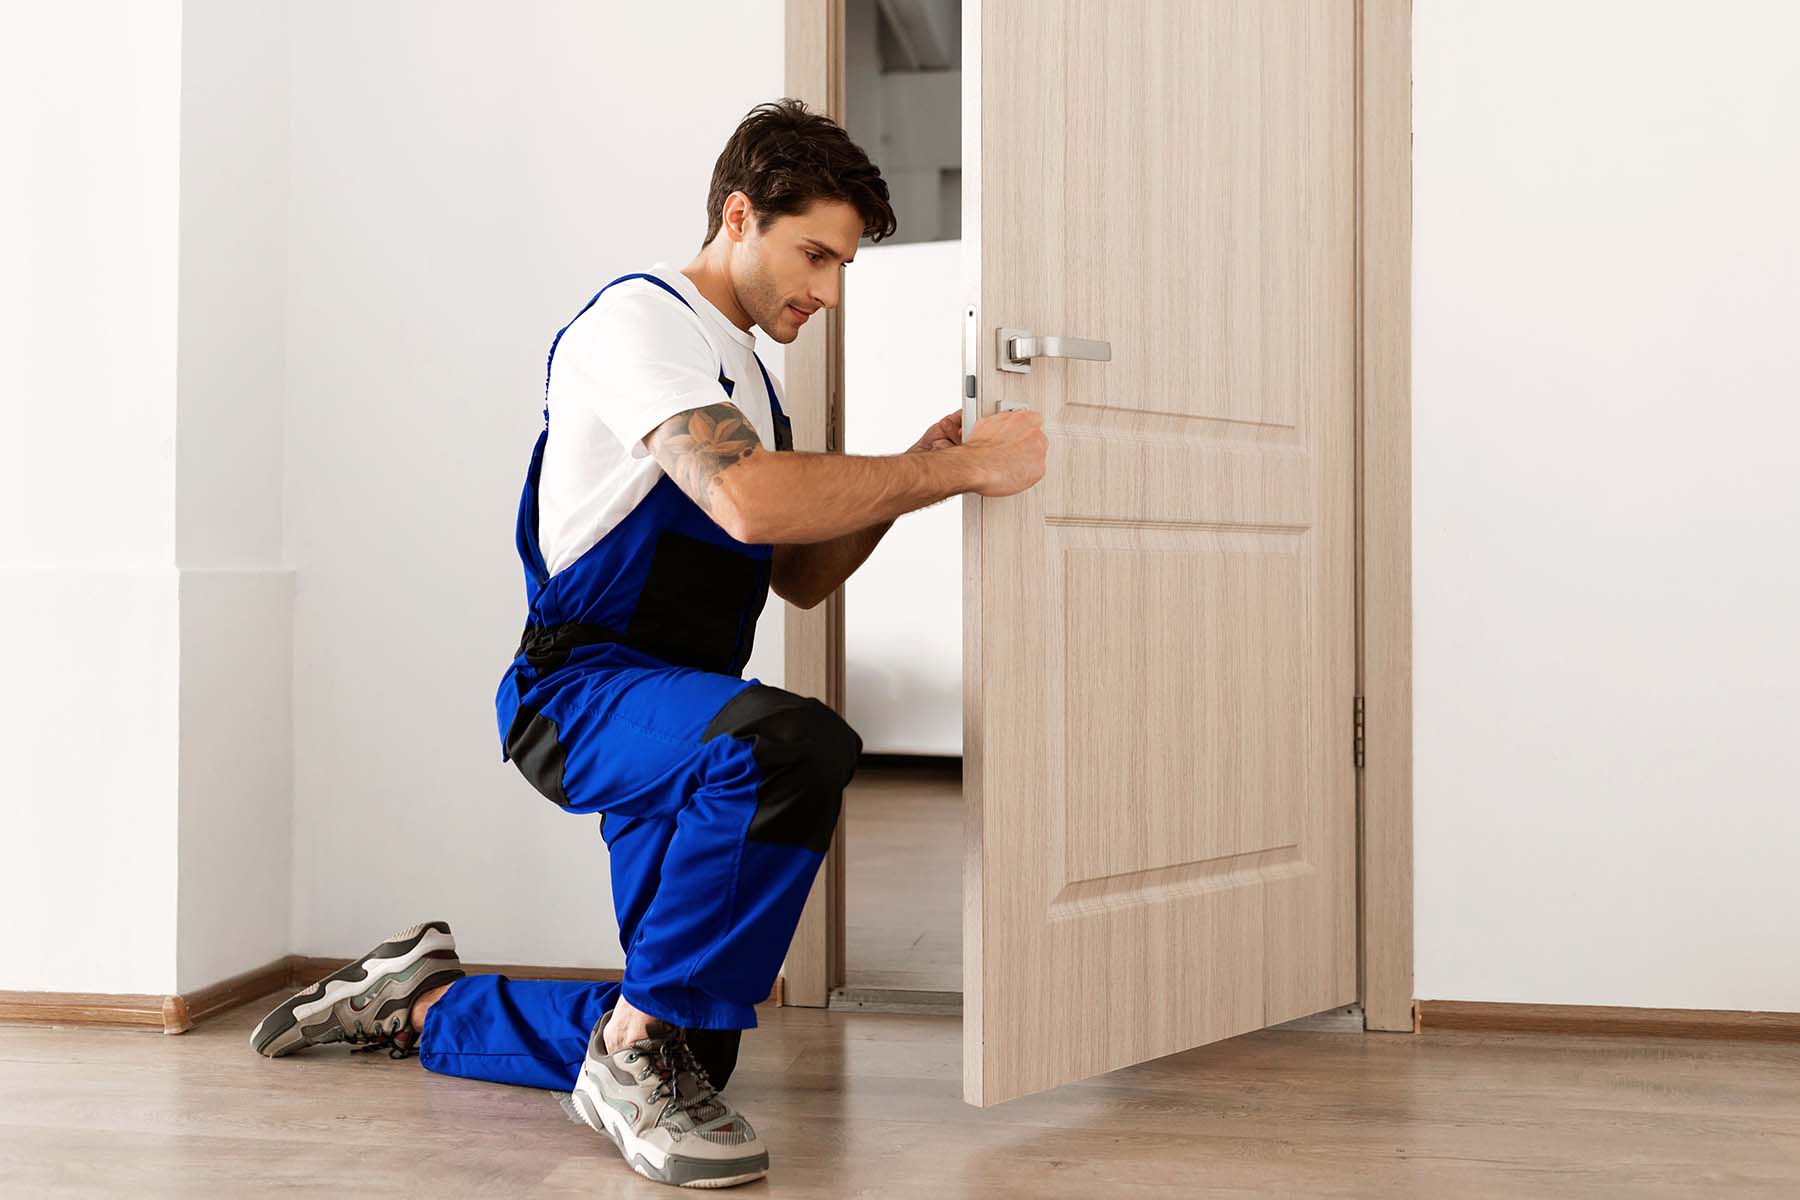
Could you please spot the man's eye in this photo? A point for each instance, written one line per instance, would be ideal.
(812, 258)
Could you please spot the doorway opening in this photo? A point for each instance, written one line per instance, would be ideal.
(903, 815)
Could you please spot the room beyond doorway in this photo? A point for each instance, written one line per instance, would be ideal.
(901, 837)
(903, 822)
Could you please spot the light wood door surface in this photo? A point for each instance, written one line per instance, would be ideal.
(1159, 637)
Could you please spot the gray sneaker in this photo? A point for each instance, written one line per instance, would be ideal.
(367, 1002)
(653, 1099)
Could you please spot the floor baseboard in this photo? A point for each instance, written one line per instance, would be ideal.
(897, 1000)
(180, 1013)
(103, 1009)
(1593, 1020)
(193, 1007)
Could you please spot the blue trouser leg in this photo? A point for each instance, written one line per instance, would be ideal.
(718, 798)
(636, 846)
(535, 1031)
(527, 1031)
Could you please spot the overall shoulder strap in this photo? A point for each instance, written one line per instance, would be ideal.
(784, 429)
(768, 385)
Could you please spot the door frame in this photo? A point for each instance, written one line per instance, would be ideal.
(814, 378)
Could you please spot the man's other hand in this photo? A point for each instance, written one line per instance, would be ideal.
(947, 432)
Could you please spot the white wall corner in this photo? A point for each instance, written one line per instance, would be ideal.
(236, 772)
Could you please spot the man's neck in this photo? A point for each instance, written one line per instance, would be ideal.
(712, 278)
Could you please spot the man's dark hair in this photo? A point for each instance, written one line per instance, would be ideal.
(784, 158)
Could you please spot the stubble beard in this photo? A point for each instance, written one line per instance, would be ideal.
(762, 300)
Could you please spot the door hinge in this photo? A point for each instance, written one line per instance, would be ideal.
(1359, 732)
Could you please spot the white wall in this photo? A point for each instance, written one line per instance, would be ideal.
(88, 806)
(1607, 289)
(464, 177)
(234, 182)
(89, 129)
(89, 124)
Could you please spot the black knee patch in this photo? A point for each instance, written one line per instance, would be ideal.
(534, 747)
(806, 754)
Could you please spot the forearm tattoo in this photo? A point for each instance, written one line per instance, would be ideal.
(695, 446)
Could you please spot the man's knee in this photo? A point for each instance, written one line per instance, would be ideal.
(805, 754)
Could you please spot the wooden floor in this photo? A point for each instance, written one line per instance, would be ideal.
(903, 839)
(865, 1105)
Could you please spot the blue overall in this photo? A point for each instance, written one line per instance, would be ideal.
(717, 795)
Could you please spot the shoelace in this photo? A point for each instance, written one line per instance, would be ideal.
(672, 1057)
(393, 1045)
(380, 1038)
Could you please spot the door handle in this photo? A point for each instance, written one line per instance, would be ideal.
(1015, 348)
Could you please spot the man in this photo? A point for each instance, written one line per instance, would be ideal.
(663, 501)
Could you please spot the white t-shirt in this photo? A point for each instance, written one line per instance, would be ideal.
(626, 365)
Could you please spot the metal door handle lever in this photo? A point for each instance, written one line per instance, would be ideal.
(1017, 347)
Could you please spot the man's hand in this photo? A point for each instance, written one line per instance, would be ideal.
(1016, 440)
(1015, 449)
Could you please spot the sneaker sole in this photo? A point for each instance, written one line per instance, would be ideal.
(280, 1032)
(676, 1170)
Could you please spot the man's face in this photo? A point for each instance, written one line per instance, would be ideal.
(786, 271)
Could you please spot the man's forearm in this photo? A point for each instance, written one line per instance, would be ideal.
(814, 570)
(793, 496)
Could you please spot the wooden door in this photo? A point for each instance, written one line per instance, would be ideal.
(1159, 637)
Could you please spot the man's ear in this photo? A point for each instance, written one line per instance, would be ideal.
(745, 217)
